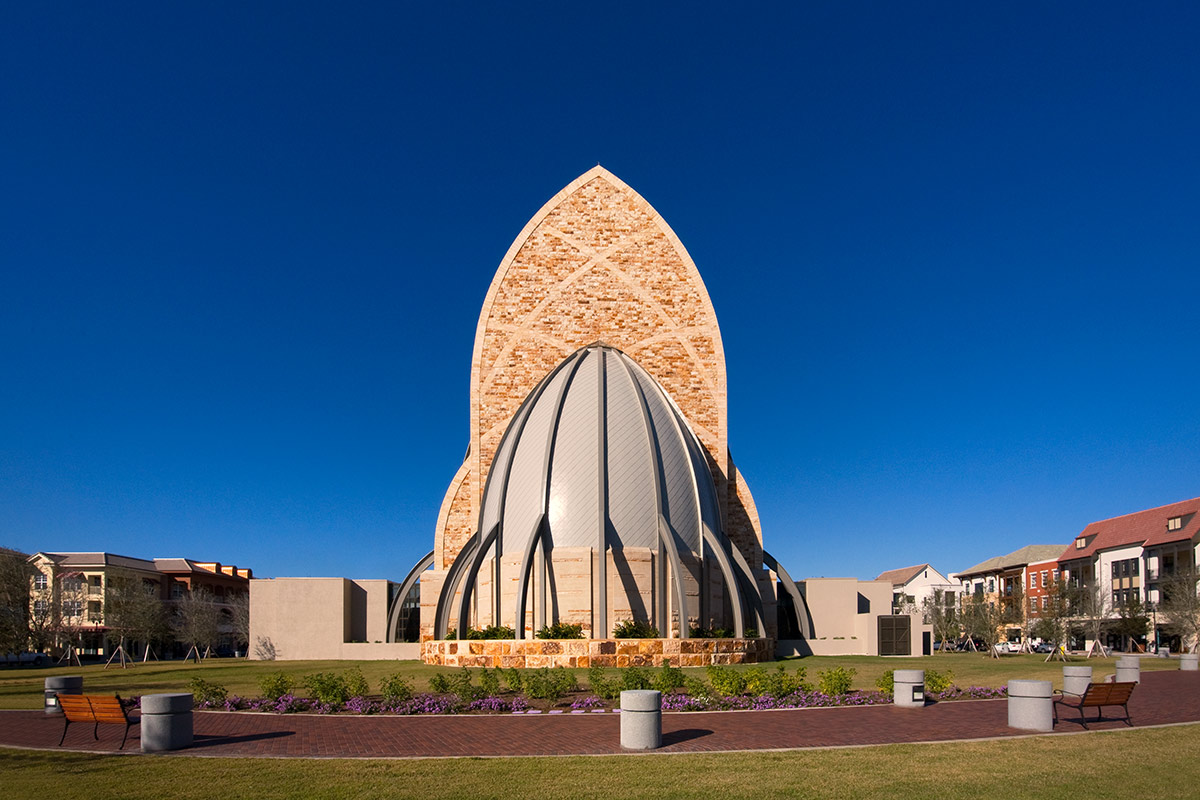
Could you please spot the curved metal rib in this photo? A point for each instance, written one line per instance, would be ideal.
(470, 576)
(441, 620)
(410, 581)
(667, 537)
(739, 626)
(535, 537)
(789, 586)
(751, 587)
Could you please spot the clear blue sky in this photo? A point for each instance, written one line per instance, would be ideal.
(954, 250)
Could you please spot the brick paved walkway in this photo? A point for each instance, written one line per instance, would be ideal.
(1162, 698)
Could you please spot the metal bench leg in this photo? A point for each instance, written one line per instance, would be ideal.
(126, 736)
(65, 726)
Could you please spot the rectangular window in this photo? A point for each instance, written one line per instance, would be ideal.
(39, 581)
(1044, 603)
(72, 608)
(71, 583)
(1133, 567)
(39, 608)
(1032, 580)
(1174, 523)
(1044, 584)
(1116, 569)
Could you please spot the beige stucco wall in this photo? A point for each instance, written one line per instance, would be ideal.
(842, 623)
(322, 618)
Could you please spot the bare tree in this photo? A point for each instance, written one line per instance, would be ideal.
(1053, 621)
(941, 615)
(132, 609)
(197, 621)
(1180, 605)
(239, 609)
(15, 574)
(983, 619)
(1132, 622)
(1092, 608)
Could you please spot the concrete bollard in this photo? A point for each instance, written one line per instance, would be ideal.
(61, 684)
(1189, 662)
(641, 719)
(1129, 668)
(1076, 679)
(908, 688)
(166, 722)
(1029, 705)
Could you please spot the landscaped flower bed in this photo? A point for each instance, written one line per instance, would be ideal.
(554, 691)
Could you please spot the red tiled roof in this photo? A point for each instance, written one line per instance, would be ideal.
(1145, 528)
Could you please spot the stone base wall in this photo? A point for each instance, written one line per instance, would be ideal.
(602, 652)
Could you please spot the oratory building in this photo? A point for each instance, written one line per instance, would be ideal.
(598, 487)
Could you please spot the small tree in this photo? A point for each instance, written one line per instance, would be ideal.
(131, 611)
(1132, 620)
(983, 619)
(239, 611)
(197, 621)
(1053, 621)
(940, 616)
(1092, 608)
(15, 574)
(1180, 605)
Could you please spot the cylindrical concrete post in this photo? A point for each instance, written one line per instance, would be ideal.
(908, 687)
(1129, 668)
(1029, 705)
(1189, 662)
(1076, 679)
(166, 722)
(60, 684)
(641, 719)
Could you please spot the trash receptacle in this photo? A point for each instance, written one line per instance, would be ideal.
(1030, 707)
(641, 719)
(1129, 668)
(60, 684)
(1076, 679)
(166, 722)
(908, 688)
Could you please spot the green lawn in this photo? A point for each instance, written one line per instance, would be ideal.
(1050, 766)
(22, 687)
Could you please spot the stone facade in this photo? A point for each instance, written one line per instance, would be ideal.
(595, 264)
(600, 652)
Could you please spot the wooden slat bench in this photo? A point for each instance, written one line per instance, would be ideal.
(96, 708)
(1097, 695)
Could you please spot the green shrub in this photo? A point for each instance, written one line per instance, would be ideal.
(726, 681)
(395, 689)
(327, 687)
(751, 633)
(695, 687)
(774, 682)
(492, 632)
(514, 680)
(561, 630)
(634, 678)
(275, 685)
(886, 682)
(667, 678)
(489, 682)
(711, 633)
(204, 692)
(461, 686)
(630, 629)
(938, 681)
(439, 684)
(601, 685)
(836, 681)
(356, 683)
(548, 684)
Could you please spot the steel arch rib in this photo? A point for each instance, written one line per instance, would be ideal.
(410, 581)
(798, 605)
(441, 619)
(667, 537)
(535, 537)
(751, 587)
(470, 576)
(739, 626)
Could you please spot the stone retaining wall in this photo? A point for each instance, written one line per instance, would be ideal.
(603, 652)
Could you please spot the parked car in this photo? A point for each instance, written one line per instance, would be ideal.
(1044, 647)
(26, 659)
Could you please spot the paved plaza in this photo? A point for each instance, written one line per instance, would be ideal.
(1163, 698)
